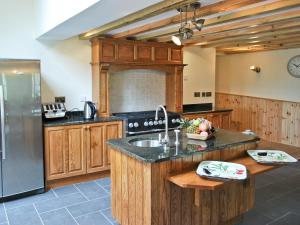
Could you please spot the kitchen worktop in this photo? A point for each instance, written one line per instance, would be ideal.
(223, 140)
(75, 118)
(214, 110)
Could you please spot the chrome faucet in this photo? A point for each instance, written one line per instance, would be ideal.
(166, 138)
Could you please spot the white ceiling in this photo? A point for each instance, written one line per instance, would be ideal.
(103, 12)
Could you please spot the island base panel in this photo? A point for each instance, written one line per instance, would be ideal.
(142, 195)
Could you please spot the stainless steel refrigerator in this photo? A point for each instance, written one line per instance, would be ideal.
(21, 163)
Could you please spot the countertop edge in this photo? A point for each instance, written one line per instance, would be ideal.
(80, 122)
(116, 146)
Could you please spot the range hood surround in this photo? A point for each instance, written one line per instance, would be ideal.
(114, 55)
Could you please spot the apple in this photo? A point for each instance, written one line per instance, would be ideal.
(204, 134)
(196, 122)
(203, 126)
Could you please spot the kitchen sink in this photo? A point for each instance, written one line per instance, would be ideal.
(145, 143)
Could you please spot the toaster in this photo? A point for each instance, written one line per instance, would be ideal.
(54, 110)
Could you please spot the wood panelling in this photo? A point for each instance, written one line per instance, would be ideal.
(105, 50)
(144, 53)
(141, 193)
(78, 149)
(126, 52)
(272, 120)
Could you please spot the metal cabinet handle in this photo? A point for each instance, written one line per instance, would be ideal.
(2, 122)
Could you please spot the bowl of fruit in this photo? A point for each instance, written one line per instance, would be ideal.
(200, 129)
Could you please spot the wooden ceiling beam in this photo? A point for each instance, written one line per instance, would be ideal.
(281, 42)
(271, 27)
(234, 26)
(249, 37)
(147, 12)
(238, 51)
(246, 13)
(222, 6)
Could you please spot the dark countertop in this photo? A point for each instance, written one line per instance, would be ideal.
(223, 139)
(215, 110)
(76, 118)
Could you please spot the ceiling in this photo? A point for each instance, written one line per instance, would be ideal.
(231, 26)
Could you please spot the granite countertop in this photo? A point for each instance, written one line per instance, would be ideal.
(223, 139)
(76, 118)
(214, 110)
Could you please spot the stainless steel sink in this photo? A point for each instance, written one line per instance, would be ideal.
(146, 143)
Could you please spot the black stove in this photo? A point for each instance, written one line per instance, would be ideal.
(144, 122)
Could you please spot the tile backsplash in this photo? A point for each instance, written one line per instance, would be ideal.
(136, 90)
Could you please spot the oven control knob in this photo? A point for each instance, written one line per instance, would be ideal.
(136, 124)
(160, 122)
(130, 125)
(150, 123)
(173, 120)
(155, 122)
(146, 124)
(164, 121)
(178, 120)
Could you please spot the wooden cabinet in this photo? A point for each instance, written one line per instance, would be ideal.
(79, 149)
(218, 119)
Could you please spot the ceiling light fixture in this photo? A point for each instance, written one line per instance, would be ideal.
(185, 32)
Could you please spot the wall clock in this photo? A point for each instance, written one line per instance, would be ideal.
(294, 66)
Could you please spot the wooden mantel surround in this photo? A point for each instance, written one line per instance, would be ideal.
(112, 55)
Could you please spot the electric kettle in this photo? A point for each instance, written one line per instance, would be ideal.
(89, 110)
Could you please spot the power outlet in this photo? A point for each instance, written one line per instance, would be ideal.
(60, 99)
(196, 94)
(208, 94)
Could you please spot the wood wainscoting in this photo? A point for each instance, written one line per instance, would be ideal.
(273, 120)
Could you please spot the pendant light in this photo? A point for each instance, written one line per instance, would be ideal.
(185, 32)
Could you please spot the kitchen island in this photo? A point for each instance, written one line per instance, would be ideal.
(142, 193)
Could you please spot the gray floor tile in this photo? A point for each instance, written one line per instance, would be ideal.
(58, 217)
(91, 190)
(29, 200)
(90, 206)
(93, 219)
(23, 215)
(66, 190)
(2, 214)
(263, 180)
(3, 223)
(104, 181)
(107, 214)
(288, 219)
(60, 202)
(108, 189)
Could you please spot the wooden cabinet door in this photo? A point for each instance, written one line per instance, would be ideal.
(76, 150)
(225, 118)
(215, 120)
(112, 131)
(95, 146)
(55, 153)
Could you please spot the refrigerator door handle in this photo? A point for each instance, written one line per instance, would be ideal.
(2, 123)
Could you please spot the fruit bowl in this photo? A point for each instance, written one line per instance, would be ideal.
(199, 136)
(198, 129)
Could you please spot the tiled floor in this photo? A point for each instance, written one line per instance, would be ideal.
(277, 203)
(80, 204)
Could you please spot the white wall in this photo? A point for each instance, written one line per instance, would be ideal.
(65, 65)
(199, 74)
(137, 90)
(234, 76)
(53, 12)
